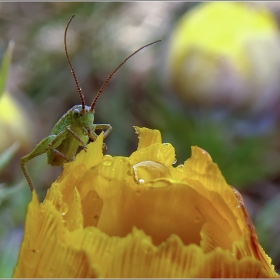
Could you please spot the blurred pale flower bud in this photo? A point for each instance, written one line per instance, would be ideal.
(14, 123)
(226, 55)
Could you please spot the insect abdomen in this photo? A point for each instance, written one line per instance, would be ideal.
(68, 148)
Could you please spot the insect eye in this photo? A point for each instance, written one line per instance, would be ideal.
(77, 112)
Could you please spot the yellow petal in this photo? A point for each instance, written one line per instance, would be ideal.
(116, 217)
(147, 137)
(151, 148)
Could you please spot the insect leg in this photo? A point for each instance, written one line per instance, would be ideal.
(60, 154)
(40, 149)
(107, 128)
(92, 135)
(77, 137)
(23, 161)
(56, 142)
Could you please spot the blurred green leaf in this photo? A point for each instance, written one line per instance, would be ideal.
(13, 203)
(6, 193)
(8, 154)
(268, 228)
(4, 70)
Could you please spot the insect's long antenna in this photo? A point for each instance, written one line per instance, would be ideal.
(112, 74)
(82, 98)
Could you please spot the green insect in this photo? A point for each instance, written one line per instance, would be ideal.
(73, 129)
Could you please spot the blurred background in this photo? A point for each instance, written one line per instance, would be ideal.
(213, 81)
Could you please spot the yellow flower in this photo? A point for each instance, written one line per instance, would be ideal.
(139, 216)
(226, 54)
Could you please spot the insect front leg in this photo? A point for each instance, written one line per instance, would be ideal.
(77, 137)
(107, 128)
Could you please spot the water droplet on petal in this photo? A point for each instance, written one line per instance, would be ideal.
(107, 162)
(180, 167)
(163, 183)
(107, 157)
(64, 209)
(165, 144)
(146, 171)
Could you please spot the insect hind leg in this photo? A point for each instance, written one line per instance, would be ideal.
(40, 149)
(24, 170)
